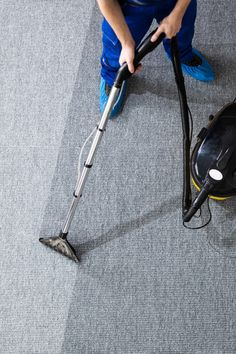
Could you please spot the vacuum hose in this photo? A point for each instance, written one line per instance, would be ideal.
(187, 195)
(200, 199)
(214, 176)
(141, 51)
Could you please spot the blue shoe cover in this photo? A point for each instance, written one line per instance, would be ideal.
(119, 102)
(203, 72)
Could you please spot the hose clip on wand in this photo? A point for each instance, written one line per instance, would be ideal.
(60, 243)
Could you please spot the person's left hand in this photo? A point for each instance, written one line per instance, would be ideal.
(170, 25)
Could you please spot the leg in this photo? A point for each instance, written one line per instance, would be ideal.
(193, 62)
(185, 35)
(139, 19)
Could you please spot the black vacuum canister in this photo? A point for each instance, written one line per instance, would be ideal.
(216, 149)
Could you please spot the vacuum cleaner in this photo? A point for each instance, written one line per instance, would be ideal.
(212, 164)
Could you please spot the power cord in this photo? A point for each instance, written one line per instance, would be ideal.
(204, 225)
(211, 245)
(80, 155)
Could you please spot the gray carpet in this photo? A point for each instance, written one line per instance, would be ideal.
(145, 284)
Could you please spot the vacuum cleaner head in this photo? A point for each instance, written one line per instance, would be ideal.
(61, 245)
(216, 149)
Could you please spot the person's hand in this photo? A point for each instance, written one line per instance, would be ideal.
(170, 25)
(127, 56)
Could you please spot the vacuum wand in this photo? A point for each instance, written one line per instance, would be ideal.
(60, 243)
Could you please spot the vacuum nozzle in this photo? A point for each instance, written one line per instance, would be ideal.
(61, 245)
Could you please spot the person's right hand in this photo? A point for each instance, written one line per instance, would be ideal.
(127, 56)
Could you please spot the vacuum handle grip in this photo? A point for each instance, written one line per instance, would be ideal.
(147, 46)
(142, 50)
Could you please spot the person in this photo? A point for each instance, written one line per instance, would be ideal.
(124, 25)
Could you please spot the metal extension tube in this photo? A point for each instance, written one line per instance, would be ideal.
(88, 164)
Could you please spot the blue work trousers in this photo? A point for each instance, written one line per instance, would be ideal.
(139, 20)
